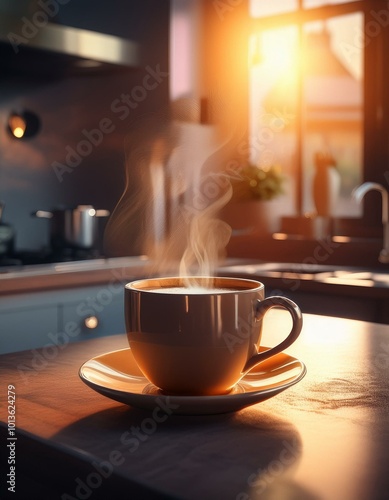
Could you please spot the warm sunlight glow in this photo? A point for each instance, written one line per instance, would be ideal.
(278, 51)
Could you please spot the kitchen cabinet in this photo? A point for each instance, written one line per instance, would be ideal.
(55, 318)
(97, 311)
(23, 327)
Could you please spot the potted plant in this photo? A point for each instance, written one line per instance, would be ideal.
(256, 183)
(250, 209)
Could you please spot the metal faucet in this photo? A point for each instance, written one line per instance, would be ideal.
(358, 194)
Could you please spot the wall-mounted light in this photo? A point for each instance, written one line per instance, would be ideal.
(23, 125)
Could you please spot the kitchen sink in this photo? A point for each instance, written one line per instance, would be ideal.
(377, 277)
(350, 292)
(281, 270)
(306, 271)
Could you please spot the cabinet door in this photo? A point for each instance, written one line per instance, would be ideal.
(98, 311)
(27, 328)
(52, 318)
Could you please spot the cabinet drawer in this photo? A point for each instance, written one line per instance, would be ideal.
(97, 313)
(23, 329)
(29, 321)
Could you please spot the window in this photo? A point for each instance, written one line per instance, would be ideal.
(317, 87)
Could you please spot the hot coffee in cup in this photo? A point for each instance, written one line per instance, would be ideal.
(200, 340)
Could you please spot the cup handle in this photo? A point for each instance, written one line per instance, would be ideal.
(261, 308)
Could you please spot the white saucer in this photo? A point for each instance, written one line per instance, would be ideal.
(117, 376)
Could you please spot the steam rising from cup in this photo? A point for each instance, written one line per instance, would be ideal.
(174, 189)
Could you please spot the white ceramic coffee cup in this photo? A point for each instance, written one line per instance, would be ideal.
(200, 342)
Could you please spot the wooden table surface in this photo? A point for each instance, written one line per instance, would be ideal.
(325, 438)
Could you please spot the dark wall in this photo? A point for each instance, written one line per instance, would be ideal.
(143, 21)
(43, 172)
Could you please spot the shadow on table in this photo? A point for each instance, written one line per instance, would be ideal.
(245, 455)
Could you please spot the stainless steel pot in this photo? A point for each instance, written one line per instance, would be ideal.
(73, 227)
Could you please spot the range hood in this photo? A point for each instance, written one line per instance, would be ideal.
(54, 48)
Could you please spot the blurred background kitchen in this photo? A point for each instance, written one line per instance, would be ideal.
(298, 87)
(73, 91)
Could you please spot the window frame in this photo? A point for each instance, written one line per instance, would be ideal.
(375, 154)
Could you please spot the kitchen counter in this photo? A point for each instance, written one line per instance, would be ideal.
(355, 281)
(325, 438)
(80, 273)
(343, 291)
(69, 274)
(88, 272)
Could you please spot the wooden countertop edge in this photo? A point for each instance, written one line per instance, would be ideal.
(63, 276)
